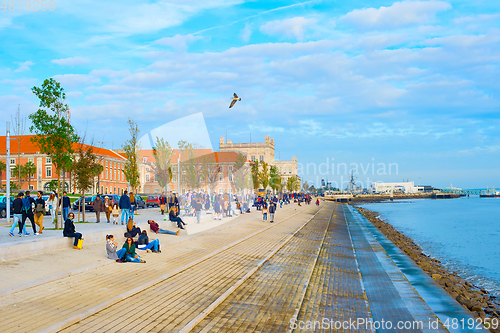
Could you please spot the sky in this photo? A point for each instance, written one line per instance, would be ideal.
(394, 90)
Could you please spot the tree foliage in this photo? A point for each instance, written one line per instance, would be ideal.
(85, 168)
(131, 149)
(242, 173)
(192, 171)
(274, 178)
(162, 167)
(264, 175)
(255, 174)
(293, 183)
(54, 135)
(3, 167)
(29, 170)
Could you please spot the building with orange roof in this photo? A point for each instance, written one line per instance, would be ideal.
(23, 150)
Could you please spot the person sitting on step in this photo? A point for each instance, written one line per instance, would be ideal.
(69, 230)
(144, 244)
(132, 229)
(156, 229)
(174, 217)
(130, 255)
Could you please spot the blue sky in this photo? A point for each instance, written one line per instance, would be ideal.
(357, 82)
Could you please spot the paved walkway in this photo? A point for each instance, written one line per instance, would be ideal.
(312, 270)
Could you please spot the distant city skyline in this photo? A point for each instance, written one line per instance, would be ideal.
(364, 83)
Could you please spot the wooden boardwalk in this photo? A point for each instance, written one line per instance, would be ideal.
(313, 263)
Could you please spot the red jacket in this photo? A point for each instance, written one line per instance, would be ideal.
(153, 226)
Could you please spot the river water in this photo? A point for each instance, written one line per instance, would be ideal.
(464, 233)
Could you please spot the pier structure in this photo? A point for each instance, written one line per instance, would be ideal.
(321, 269)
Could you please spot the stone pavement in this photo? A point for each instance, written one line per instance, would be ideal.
(312, 270)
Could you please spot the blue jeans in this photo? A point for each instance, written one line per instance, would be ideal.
(153, 245)
(125, 214)
(264, 216)
(121, 252)
(168, 232)
(132, 212)
(77, 236)
(65, 213)
(18, 219)
(129, 258)
(198, 216)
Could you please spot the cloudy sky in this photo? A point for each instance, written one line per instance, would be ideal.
(414, 84)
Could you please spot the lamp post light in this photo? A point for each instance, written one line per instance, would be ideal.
(7, 186)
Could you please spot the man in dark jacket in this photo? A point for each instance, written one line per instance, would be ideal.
(65, 203)
(197, 205)
(28, 203)
(272, 210)
(17, 207)
(98, 205)
(125, 206)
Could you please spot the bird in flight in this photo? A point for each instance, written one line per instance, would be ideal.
(234, 99)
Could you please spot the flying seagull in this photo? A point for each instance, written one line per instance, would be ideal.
(234, 99)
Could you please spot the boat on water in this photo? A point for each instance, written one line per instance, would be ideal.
(490, 194)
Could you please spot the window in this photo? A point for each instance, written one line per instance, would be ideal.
(144, 159)
(290, 171)
(115, 175)
(253, 158)
(30, 160)
(48, 172)
(31, 187)
(102, 189)
(114, 190)
(221, 177)
(221, 191)
(261, 158)
(147, 169)
(230, 175)
(156, 178)
(12, 161)
(147, 177)
(48, 160)
(107, 173)
(106, 190)
(147, 190)
(183, 191)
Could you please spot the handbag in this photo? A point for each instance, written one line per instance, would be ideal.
(162, 207)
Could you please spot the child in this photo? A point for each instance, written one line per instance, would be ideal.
(264, 213)
(116, 213)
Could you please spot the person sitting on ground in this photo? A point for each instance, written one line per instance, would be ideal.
(144, 244)
(174, 217)
(130, 255)
(69, 230)
(156, 229)
(111, 249)
(132, 229)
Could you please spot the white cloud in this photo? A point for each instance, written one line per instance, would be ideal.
(72, 61)
(246, 33)
(178, 42)
(465, 41)
(398, 15)
(476, 18)
(75, 80)
(24, 66)
(294, 27)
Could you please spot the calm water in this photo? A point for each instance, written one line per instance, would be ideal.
(464, 234)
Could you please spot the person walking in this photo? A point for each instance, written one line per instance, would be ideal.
(170, 200)
(107, 207)
(133, 204)
(65, 203)
(163, 201)
(69, 230)
(125, 206)
(52, 206)
(272, 210)
(98, 205)
(17, 206)
(197, 208)
(39, 211)
(264, 212)
(28, 203)
(116, 213)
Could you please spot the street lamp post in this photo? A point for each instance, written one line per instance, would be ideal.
(179, 174)
(7, 186)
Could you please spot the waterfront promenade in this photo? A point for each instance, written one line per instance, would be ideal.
(314, 269)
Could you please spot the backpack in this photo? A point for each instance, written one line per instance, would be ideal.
(26, 205)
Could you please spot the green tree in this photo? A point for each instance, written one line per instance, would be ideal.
(254, 169)
(3, 167)
(274, 178)
(190, 168)
(293, 183)
(264, 175)
(18, 171)
(305, 186)
(85, 168)
(52, 186)
(241, 173)
(54, 135)
(131, 149)
(162, 167)
(29, 170)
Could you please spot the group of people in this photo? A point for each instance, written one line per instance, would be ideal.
(126, 206)
(25, 207)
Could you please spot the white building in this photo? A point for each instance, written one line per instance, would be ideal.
(403, 187)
